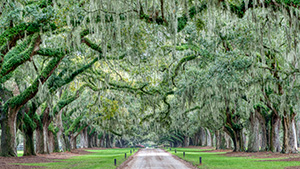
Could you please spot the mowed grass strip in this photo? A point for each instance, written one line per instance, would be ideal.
(103, 159)
(215, 160)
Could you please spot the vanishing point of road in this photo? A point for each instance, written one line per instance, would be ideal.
(155, 159)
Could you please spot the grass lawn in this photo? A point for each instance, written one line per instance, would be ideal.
(20, 153)
(103, 159)
(213, 160)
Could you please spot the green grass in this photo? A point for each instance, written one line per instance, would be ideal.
(20, 153)
(215, 160)
(103, 159)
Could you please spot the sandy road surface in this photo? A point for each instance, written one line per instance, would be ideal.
(155, 159)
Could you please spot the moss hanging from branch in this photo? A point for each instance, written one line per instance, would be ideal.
(181, 61)
(92, 45)
(192, 109)
(277, 5)
(96, 47)
(9, 37)
(52, 52)
(18, 49)
(182, 21)
(64, 102)
(14, 59)
(74, 125)
(53, 129)
(6, 77)
(57, 83)
(31, 91)
(27, 122)
(183, 47)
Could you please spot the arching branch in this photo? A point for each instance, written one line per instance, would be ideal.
(18, 101)
(57, 83)
(20, 54)
(181, 61)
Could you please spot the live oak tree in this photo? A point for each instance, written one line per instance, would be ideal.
(232, 65)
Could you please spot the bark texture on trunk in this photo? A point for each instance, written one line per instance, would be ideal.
(41, 132)
(218, 139)
(67, 142)
(39, 140)
(213, 136)
(289, 134)
(8, 134)
(264, 120)
(83, 138)
(107, 141)
(186, 141)
(52, 142)
(226, 141)
(102, 140)
(96, 140)
(208, 138)
(237, 138)
(234, 129)
(46, 123)
(253, 144)
(60, 137)
(275, 142)
(293, 137)
(298, 132)
(29, 143)
(73, 142)
(203, 137)
(55, 143)
(90, 140)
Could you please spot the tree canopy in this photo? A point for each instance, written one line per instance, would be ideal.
(167, 71)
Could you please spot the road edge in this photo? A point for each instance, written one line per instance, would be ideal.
(127, 161)
(189, 164)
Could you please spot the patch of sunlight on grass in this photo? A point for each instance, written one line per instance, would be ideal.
(20, 153)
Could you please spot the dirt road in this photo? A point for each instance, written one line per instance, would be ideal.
(155, 159)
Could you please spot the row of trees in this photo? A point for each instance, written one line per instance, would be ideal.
(178, 70)
(48, 62)
(240, 75)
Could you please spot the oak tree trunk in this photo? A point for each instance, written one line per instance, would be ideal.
(39, 141)
(253, 144)
(29, 143)
(46, 136)
(96, 140)
(8, 134)
(50, 141)
(83, 138)
(73, 142)
(186, 141)
(265, 128)
(203, 137)
(212, 139)
(67, 142)
(218, 140)
(60, 137)
(274, 137)
(289, 134)
(208, 138)
(298, 132)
